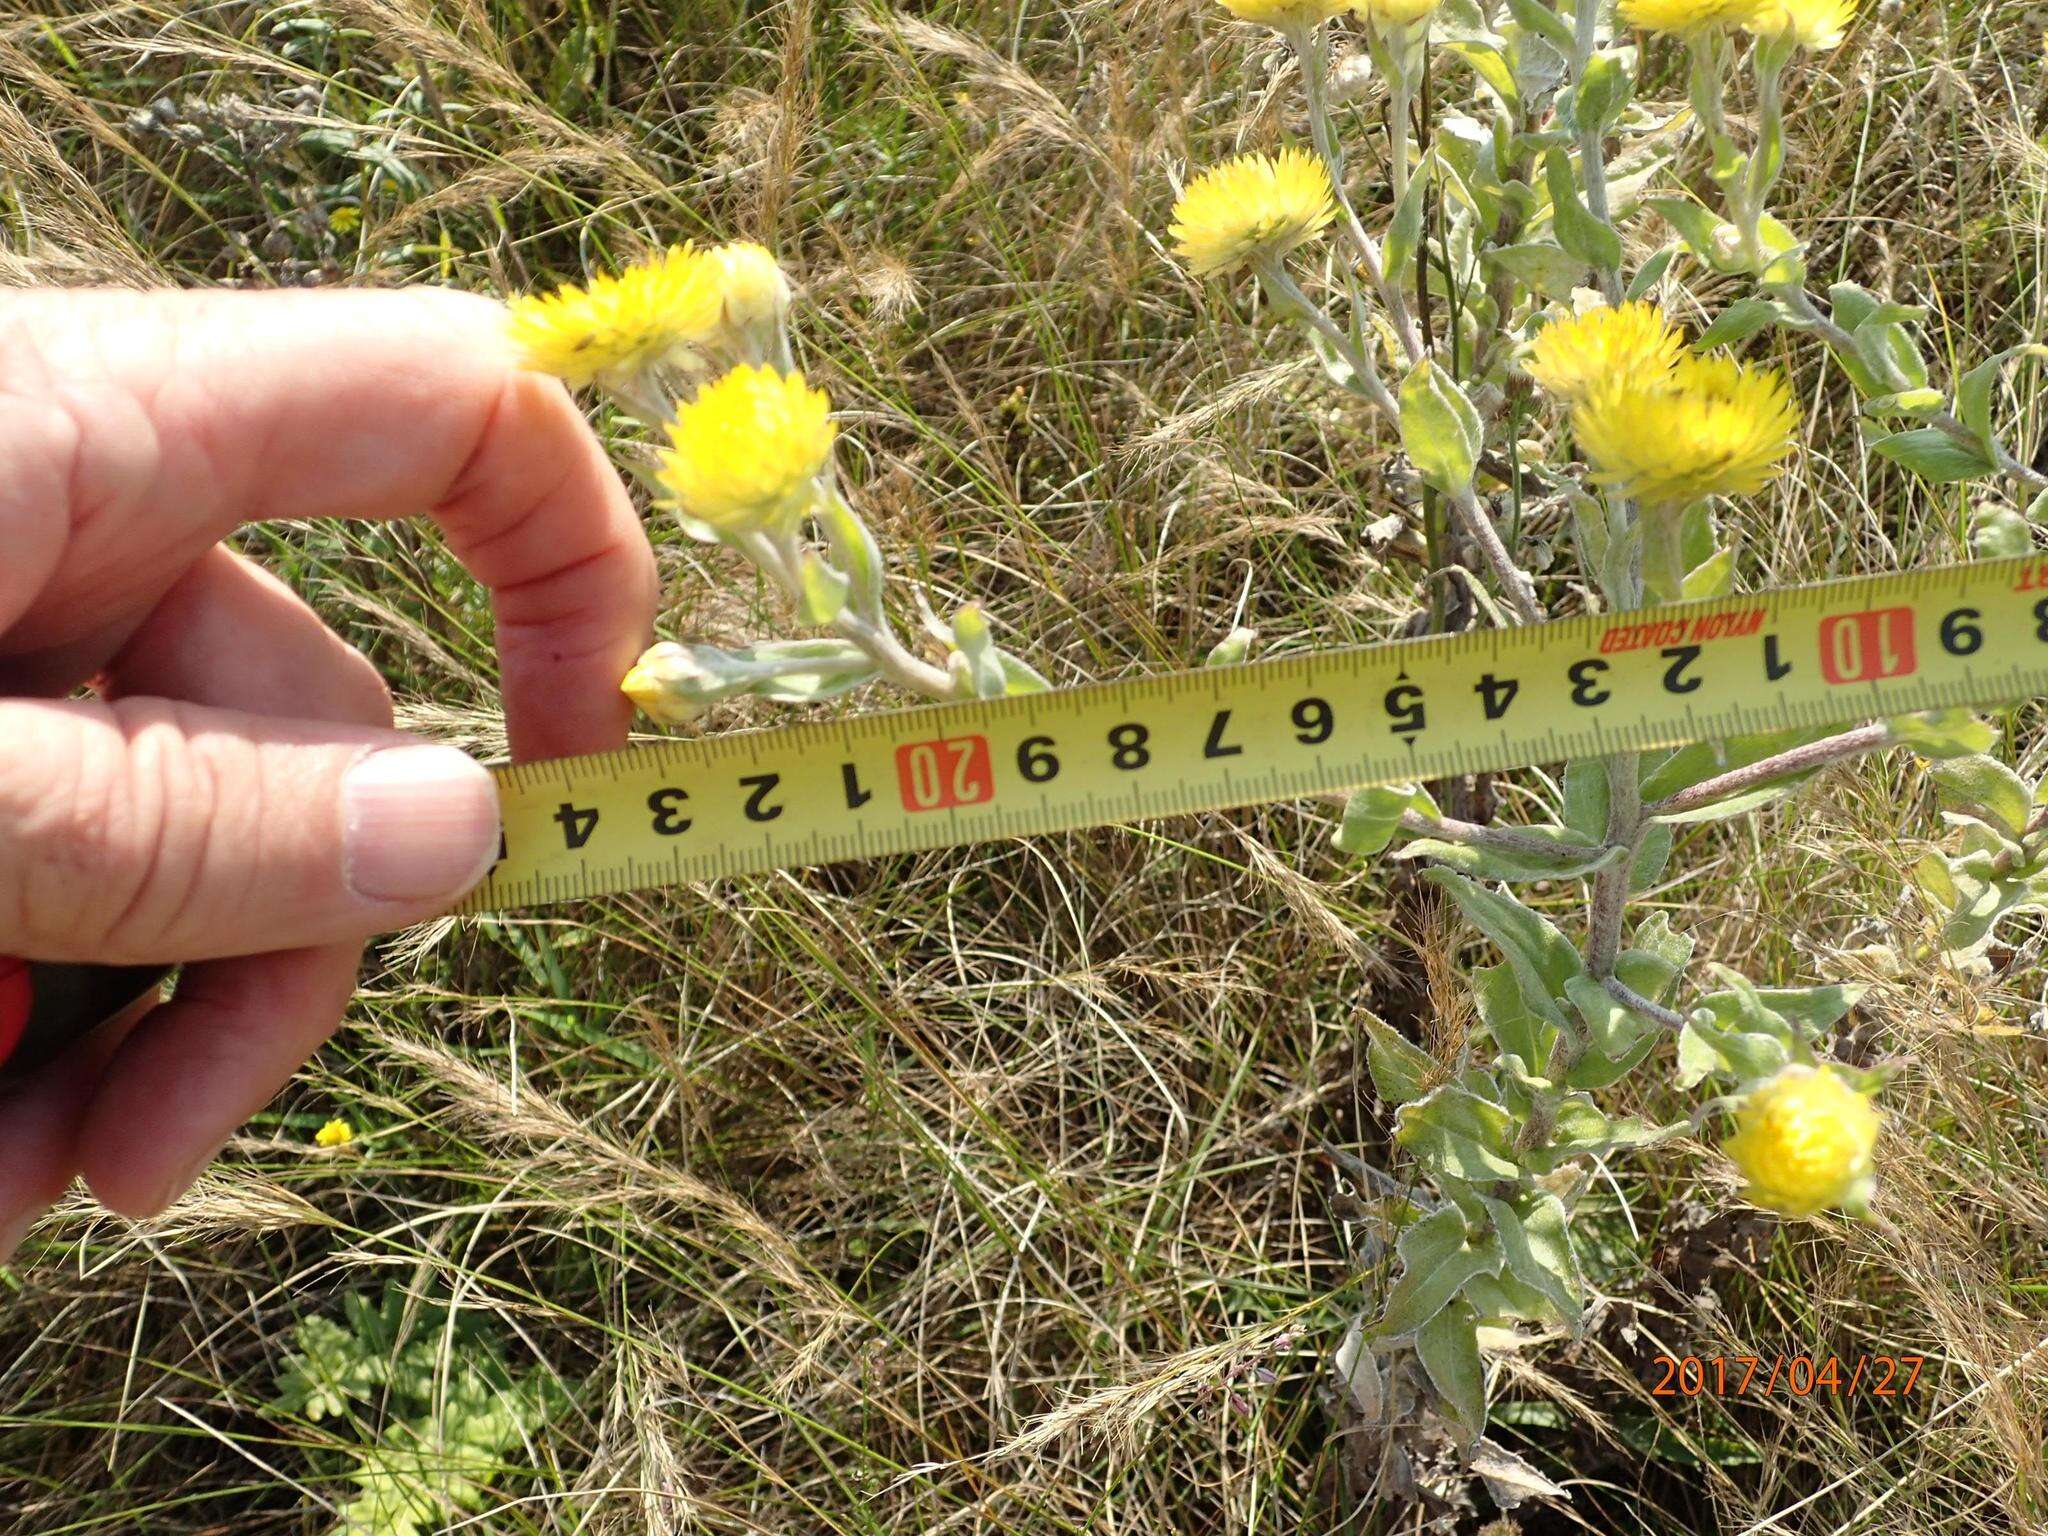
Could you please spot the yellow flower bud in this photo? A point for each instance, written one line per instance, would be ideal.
(1804, 1141)
(752, 288)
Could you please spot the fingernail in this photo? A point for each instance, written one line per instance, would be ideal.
(12, 1232)
(421, 824)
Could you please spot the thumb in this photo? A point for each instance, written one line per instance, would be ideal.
(148, 830)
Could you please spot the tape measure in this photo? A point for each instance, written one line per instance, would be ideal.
(1323, 722)
(1295, 726)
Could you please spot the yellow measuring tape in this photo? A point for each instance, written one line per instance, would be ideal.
(1832, 653)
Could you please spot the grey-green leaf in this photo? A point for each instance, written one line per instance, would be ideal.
(1448, 1347)
(1439, 429)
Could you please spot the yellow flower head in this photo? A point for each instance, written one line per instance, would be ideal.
(659, 311)
(1632, 340)
(1814, 24)
(1285, 15)
(1253, 206)
(1803, 1140)
(1395, 13)
(1709, 427)
(751, 286)
(1683, 16)
(748, 449)
(335, 1133)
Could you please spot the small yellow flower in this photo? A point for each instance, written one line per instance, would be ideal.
(659, 311)
(1804, 1141)
(1682, 16)
(1632, 340)
(1710, 427)
(1395, 13)
(751, 286)
(1251, 207)
(335, 1133)
(1814, 24)
(748, 449)
(1285, 15)
(345, 219)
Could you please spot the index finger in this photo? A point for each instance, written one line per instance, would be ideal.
(177, 416)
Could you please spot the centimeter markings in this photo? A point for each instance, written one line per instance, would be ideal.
(1296, 726)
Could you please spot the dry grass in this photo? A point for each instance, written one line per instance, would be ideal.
(985, 1191)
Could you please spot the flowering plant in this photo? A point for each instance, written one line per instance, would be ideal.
(1495, 306)
(1497, 301)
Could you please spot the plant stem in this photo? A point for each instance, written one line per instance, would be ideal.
(1592, 154)
(1312, 47)
(1802, 759)
(1478, 835)
(1374, 388)
(779, 561)
(1478, 526)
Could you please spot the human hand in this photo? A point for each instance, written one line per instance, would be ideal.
(235, 798)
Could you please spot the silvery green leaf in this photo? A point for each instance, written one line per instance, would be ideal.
(1019, 678)
(1373, 816)
(1491, 65)
(1604, 88)
(1738, 322)
(1815, 1010)
(1653, 851)
(1439, 429)
(1501, 1298)
(1574, 856)
(1648, 274)
(1709, 237)
(1536, 1239)
(1453, 1130)
(1687, 766)
(1933, 455)
(1712, 577)
(822, 590)
(1401, 1071)
(1232, 649)
(1593, 240)
(1999, 533)
(1909, 403)
(854, 550)
(1975, 388)
(1543, 959)
(1436, 1260)
(1404, 232)
(1986, 788)
(1585, 796)
(1448, 1346)
(1535, 16)
(1550, 270)
(1737, 805)
(1516, 1030)
(1611, 1029)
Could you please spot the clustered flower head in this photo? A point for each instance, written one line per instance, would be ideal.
(1251, 208)
(1804, 1141)
(1632, 340)
(1285, 15)
(663, 311)
(335, 1133)
(1707, 427)
(1684, 17)
(1814, 24)
(673, 310)
(748, 449)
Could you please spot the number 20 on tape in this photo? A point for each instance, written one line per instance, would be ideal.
(938, 775)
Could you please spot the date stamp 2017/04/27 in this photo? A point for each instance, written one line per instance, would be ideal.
(1794, 1375)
